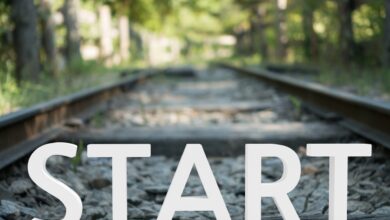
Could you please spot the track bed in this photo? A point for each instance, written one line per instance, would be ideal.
(220, 110)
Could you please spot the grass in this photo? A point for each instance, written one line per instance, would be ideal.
(79, 76)
(365, 82)
(97, 120)
(297, 104)
(76, 161)
(252, 60)
(362, 81)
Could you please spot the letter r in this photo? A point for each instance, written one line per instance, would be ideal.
(255, 189)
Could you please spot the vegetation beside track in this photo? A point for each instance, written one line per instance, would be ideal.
(348, 41)
(14, 96)
(372, 82)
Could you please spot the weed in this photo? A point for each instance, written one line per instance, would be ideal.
(365, 82)
(97, 120)
(80, 75)
(76, 161)
(297, 104)
(143, 112)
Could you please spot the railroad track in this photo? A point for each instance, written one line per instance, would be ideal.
(362, 115)
(218, 108)
(22, 131)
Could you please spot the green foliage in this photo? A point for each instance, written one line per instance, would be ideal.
(80, 75)
(297, 104)
(368, 21)
(97, 120)
(251, 61)
(8, 86)
(76, 161)
(186, 17)
(9, 90)
(193, 22)
(6, 53)
(362, 81)
(147, 13)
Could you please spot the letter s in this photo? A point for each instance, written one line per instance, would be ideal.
(39, 174)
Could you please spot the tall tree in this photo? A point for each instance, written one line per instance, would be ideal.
(281, 29)
(122, 9)
(48, 36)
(106, 47)
(261, 12)
(386, 57)
(72, 30)
(310, 44)
(26, 41)
(257, 11)
(124, 35)
(346, 37)
(239, 34)
(253, 35)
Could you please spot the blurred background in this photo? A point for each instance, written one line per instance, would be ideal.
(50, 48)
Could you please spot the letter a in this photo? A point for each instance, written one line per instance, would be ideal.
(193, 155)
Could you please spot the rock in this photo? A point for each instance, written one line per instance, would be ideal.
(134, 200)
(309, 170)
(157, 189)
(9, 210)
(98, 198)
(160, 199)
(361, 206)
(299, 204)
(27, 211)
(98, 177)
(136, 194)
(5, 194)
(74, 123)
(185, 215)
(20, 186)
(235, 211)
(135, 213)
(385, 210)
(94, 213)
(357, 212)
(149, 210)
(76, 183)
(98, 183)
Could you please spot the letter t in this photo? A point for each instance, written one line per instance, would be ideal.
(119, 154)
(338, 169)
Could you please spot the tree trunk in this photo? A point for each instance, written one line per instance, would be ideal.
(48, 36)
(72, 50)
(310, 43)
(106, 47)
(346, 38)
(281, 30)
(386, 57)
(254, 41)
(263, 46)
(247, 42)
(26, 40)
(124, 38)
(240, 42)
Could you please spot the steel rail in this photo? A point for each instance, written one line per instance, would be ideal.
(22, 131)
(367, 117)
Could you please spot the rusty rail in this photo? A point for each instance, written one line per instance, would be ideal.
(24, 130)
(367, 117)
